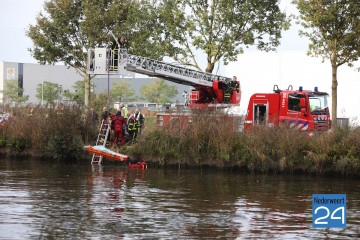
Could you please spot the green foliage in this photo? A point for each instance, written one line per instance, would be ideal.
(206, 141)
(157, 91)
(166, 143)
(20, 143)
(66, 29)
(220, 29)
(55, 133)
(213, 139)
(144, 29)
(333, 28)
(64, 134)
(13, 93)
(63, 145)
(78, 93)
(100, 102)
(2, 141)
(122, 92)
(210, 139)
(48, 92)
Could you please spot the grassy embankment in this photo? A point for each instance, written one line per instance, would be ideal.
(214, 140)
(210, 140)
(50, 133)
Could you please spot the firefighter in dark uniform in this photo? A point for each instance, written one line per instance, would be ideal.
(227, 92)
(232, 86)
(131, 128)
(235, 84)
(114, 55)
(115, 47)
(139, 121)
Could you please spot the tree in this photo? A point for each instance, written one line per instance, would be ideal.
(49, 92)
(13, 93)
(220, 28)
(79, 92)
(158, 91)
(154, 28)
(121, 91)
(334, 34)
(100, 102)
(68, 28)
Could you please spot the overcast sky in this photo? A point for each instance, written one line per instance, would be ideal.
(257, 71)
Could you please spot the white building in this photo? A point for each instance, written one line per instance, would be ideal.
(30, 75)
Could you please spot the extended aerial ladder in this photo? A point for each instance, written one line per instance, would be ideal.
(210, 89)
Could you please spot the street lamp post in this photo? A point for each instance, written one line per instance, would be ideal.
(61, 92)
(42, 91)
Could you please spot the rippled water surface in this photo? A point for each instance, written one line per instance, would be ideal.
(45, 200)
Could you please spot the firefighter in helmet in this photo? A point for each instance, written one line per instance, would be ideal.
(235, 84)
(131, 128)
(122, 41)
(139, 121)
(227, 92)
(232, 86)
(114, 54)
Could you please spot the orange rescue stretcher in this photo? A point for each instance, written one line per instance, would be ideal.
(107, 153)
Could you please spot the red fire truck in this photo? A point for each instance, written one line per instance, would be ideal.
(306, 110)
(301, 109)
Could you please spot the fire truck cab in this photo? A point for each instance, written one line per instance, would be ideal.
(301, 109)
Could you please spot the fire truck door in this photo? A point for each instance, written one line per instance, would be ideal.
(260, 111)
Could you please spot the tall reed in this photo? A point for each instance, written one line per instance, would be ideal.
(214, 139)
(52, 132)
(204, 138)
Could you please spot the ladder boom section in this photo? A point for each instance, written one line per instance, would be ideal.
(105, 61)
(171, 72)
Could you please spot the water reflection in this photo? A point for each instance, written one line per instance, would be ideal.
(41, 200)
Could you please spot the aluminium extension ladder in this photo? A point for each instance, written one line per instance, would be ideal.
(102, 138)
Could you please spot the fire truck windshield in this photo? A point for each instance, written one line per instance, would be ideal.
(319, 103)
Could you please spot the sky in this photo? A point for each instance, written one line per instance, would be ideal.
(257, 71)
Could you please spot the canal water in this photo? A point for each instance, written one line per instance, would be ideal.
(52, 200)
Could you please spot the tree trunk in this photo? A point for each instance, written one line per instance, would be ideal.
(87, 91)
(334, 85)
(210, 67)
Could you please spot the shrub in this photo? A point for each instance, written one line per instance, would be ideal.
(56, 133)
(18, 144)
